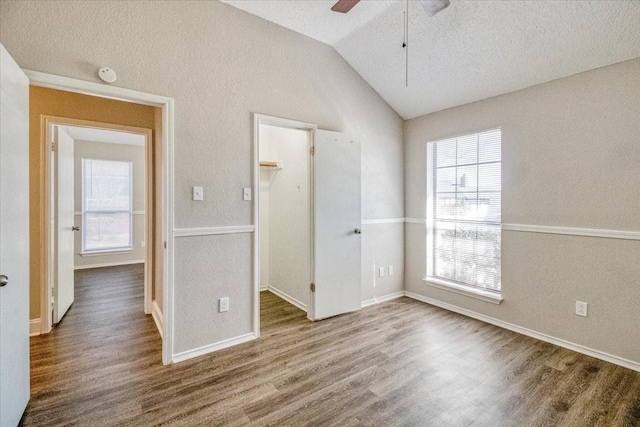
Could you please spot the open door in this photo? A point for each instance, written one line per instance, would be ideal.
(63, 223)
(337, 218)
(14, 240)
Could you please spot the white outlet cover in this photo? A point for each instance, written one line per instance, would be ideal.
(223, 305)
(581, 308)
(391, 271)
(381, 272)
(198, 193)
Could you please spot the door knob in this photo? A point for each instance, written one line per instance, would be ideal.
(357, 231)
(74, 228)
(4, 280)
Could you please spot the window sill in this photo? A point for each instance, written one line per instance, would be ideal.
(463, 290)
(109, 252)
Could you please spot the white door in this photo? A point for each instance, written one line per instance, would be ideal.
(337, 217)
(64, 226)
(14, 240)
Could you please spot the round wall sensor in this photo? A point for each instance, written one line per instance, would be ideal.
(106, 74)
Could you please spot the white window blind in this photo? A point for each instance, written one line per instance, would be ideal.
(106, 205)
(464, 210)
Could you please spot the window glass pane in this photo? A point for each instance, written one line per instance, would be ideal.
(489, 146)
(448, 206)
(488, 272)
(446, 179)
(467, 149)
(489, 207)
(465, 268)
(488, 244)
(489, 177)
(465, 227)
(467, 178)
(107, 231)
(445, 233)
(107, 185)
(106, 205)
(444, 264)
(446, 152)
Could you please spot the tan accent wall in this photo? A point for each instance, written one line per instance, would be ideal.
(50, 102)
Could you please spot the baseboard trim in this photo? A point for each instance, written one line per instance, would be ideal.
(156, 313)
(264, 288)
(383, 298)
(626, 363)
(201, 351)
(288, 298)
(34, 327)
(108, 264)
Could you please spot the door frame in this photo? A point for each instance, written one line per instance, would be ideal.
(262, 119)
(166, 104)
(46, 126)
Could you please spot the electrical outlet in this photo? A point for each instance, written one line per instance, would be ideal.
(223, 305)
(391, 272)
(581, 308)
(381, 272)
(143, 244)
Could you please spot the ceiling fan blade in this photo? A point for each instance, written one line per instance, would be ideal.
(434, 6)
(344, 6)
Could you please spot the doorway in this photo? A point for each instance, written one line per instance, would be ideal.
(66, 97)
(310, 182)
(101, 199)
(285, 195)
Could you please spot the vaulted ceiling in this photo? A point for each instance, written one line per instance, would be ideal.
(470, 51)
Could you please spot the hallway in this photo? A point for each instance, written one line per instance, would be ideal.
(84, 370)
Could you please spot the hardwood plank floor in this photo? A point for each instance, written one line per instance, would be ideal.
(401, 363)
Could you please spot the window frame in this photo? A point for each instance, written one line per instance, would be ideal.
(110, 250)
(479, 292)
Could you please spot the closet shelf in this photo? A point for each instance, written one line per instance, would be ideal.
(271, 165)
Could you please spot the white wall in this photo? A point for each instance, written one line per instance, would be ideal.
(220, 64)
(287, 215)
(570, 158)
(119, 152)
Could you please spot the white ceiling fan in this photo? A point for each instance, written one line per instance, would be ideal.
(430, 6)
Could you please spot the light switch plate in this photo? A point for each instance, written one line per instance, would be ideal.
(381, 272)
(246, 194)
(391, 271)
(198, 193)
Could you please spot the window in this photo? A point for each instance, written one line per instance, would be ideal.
(463, 211)
(106, 206)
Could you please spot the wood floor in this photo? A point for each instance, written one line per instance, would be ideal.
(401, 363)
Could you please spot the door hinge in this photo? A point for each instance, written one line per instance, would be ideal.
(312, 150)
(54, 146)
(313, 287)
(52, 301)
(165, 244)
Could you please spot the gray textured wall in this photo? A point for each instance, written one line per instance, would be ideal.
(571, 158)
(220, 64)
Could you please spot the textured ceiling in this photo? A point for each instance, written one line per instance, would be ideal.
(470, 51)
